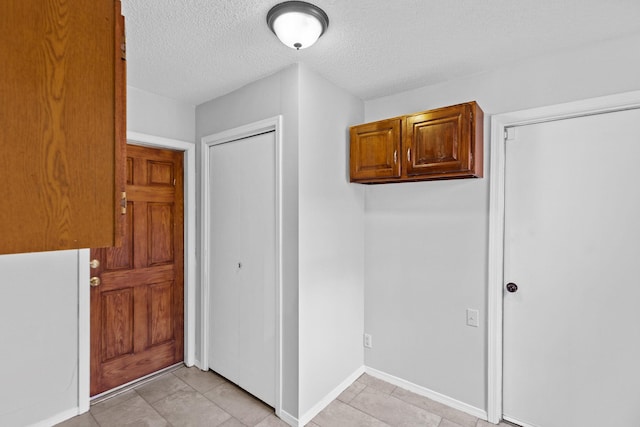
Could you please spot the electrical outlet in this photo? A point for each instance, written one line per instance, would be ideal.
(368, 341)
(472, 317)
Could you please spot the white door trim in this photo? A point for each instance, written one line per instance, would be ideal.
(499, 123)
(271, 124)
(84, 347)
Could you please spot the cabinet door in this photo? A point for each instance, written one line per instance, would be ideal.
(439, 142)
(375, 148)
(58, 140)
(120, 166)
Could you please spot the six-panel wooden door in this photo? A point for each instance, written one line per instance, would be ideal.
(137, 307)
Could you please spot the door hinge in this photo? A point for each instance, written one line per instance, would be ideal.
(123, 203)
(123, 44)
(509, 134)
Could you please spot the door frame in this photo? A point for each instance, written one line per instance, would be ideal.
(246, 131)
(84, 300)
(499, 125)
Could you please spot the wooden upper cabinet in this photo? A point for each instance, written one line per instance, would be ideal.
(375, 149)
(444, 143)
(62, 130)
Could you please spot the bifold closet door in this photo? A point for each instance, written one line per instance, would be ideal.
(242, 263)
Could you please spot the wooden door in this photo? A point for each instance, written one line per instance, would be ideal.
(137, 309)
(242, 303)
(572, 245)
(375, 150)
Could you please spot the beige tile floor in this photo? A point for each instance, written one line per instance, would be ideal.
(190, 397)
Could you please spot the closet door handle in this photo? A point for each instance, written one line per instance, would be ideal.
(395, 157)
(409, 154)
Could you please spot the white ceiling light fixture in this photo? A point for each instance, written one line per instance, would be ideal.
(297, 24)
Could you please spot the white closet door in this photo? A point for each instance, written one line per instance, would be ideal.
(242, 263)
(572, 246)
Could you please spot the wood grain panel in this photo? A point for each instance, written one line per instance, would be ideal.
(375, 153)
(57, 117)
(137, 277)
(437, 141)
(141, 314)
(440, 141)
(127, 368)
(117, 323)
(160, 173)
(375, 150)
(148, 193)
(129, 172)
(160, 312)
(120, 111)
(160, 233)
(120, 258)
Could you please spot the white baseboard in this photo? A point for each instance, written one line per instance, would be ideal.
(58, 418)
(325, 401)
(289, 419)
(433, 395)
(330, 397)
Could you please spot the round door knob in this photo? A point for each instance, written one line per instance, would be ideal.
(95, 281)
(512, 287)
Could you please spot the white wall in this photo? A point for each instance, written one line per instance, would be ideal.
(323, 227)
(426, 243)
(39, 336)
(160, 116)
(331, 241)
(39, 301)
(265, 98)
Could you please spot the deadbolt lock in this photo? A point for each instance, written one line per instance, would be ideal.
(94, 263)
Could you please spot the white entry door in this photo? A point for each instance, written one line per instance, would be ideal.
(572, 246)
(242, 260)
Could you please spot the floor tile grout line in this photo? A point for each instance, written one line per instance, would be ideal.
(357, 394)
(201, 378)
(94, 419)
(424, 409)
(391, 395)
(159, 414)
(201, 394)
(363, 411)
(164, 397)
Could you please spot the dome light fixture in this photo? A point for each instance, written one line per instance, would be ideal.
(297, 24)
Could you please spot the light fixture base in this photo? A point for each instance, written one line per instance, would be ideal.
(297, 24)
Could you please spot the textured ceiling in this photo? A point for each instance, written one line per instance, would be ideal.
(196, 50)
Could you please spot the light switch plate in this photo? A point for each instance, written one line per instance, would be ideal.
(472, 317)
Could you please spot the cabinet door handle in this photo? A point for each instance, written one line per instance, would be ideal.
(395, 157)
(409, 154)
